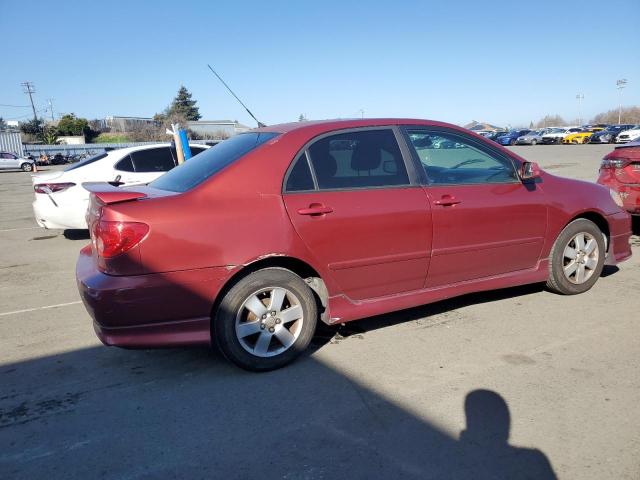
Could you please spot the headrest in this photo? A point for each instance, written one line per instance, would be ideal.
(324, 163)
(366, 156)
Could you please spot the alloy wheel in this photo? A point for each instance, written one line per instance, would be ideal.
(580, 258)
(269, 321)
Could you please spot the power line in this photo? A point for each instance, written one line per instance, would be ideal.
(14, 106)
(30, 89)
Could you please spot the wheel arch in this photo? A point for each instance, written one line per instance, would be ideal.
(301, 268)
(600, 221)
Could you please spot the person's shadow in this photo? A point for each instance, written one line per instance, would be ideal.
(485, 447)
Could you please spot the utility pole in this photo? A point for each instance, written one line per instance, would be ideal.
(580, 97)
(50, 101)
(620, 84)
(30, 89)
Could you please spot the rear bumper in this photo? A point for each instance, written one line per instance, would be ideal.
(620, 234)
(630, 194)
(154, 310)
(49, 215)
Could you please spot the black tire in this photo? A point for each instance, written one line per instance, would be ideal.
(231, 306)
(558, 281)
(512, 142)
(26, 167)
(534, 142)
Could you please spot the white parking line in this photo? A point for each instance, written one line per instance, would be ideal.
(16, 229)
(39, 308)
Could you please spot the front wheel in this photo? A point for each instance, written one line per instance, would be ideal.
(26, 167)
(577, 258)
(266, 320)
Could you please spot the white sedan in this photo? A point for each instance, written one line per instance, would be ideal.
(629, 135)
(61, 202)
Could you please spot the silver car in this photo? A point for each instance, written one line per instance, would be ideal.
(532, 138)
(12, 161)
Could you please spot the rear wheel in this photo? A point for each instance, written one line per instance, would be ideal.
(577, 258)
(534, 141)
(266, 320)
(512, 142)
(26, 167)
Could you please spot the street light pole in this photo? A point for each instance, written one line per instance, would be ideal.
(620, 84)
(580, 97)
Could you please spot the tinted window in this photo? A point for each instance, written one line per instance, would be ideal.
(202, 166)
(153, 160)
(300, 176)
(369, 158)
(196, 150)
(448, 158)
(125, 165)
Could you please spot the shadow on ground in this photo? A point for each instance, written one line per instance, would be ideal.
(184, 413)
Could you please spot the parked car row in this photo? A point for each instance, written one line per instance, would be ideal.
(600, 133)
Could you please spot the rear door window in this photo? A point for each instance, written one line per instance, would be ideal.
(153, 160)
(359, 159)
(125, 165)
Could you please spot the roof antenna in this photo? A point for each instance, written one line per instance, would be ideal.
(260, 124)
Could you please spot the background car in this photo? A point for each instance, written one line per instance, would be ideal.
(60, 199)
(511, 137)
(557, 134)
(609, 134)
(532, 138)
(10, 160)
(629, 135)
(580, 137)
(620, 171)
(253, 242)
(494, 135)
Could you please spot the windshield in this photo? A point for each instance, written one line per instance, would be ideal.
(197, 169)
(86, 161)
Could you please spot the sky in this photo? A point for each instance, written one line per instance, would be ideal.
(453, 61)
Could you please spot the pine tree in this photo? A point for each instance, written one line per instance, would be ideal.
(184, 106)
(302, 118)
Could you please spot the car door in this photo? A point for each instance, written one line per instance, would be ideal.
(486, 222)
(149, 164)
(360, 212)
(4, 162)
(9, 160)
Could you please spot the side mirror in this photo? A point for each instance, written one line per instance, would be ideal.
(529, 171)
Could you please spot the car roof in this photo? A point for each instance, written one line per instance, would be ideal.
(146, 147)
(320, 126)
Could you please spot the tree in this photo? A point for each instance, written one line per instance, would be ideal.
(71, 125)
(550, 121)
(184, 106)
(50, 136)
(628, 115)
(32, 127)
(3, 124)
(302, 118)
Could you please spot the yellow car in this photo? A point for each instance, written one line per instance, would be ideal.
(580, 137)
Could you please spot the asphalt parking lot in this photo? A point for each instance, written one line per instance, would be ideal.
(550, 383)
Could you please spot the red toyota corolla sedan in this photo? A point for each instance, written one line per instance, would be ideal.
(620, 171)
(251, 243)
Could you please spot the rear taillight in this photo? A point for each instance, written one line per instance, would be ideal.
(614, 163)
(115, 238)
(52, 187)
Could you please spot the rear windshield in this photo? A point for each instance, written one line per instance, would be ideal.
(197, 169)
(86, 161)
